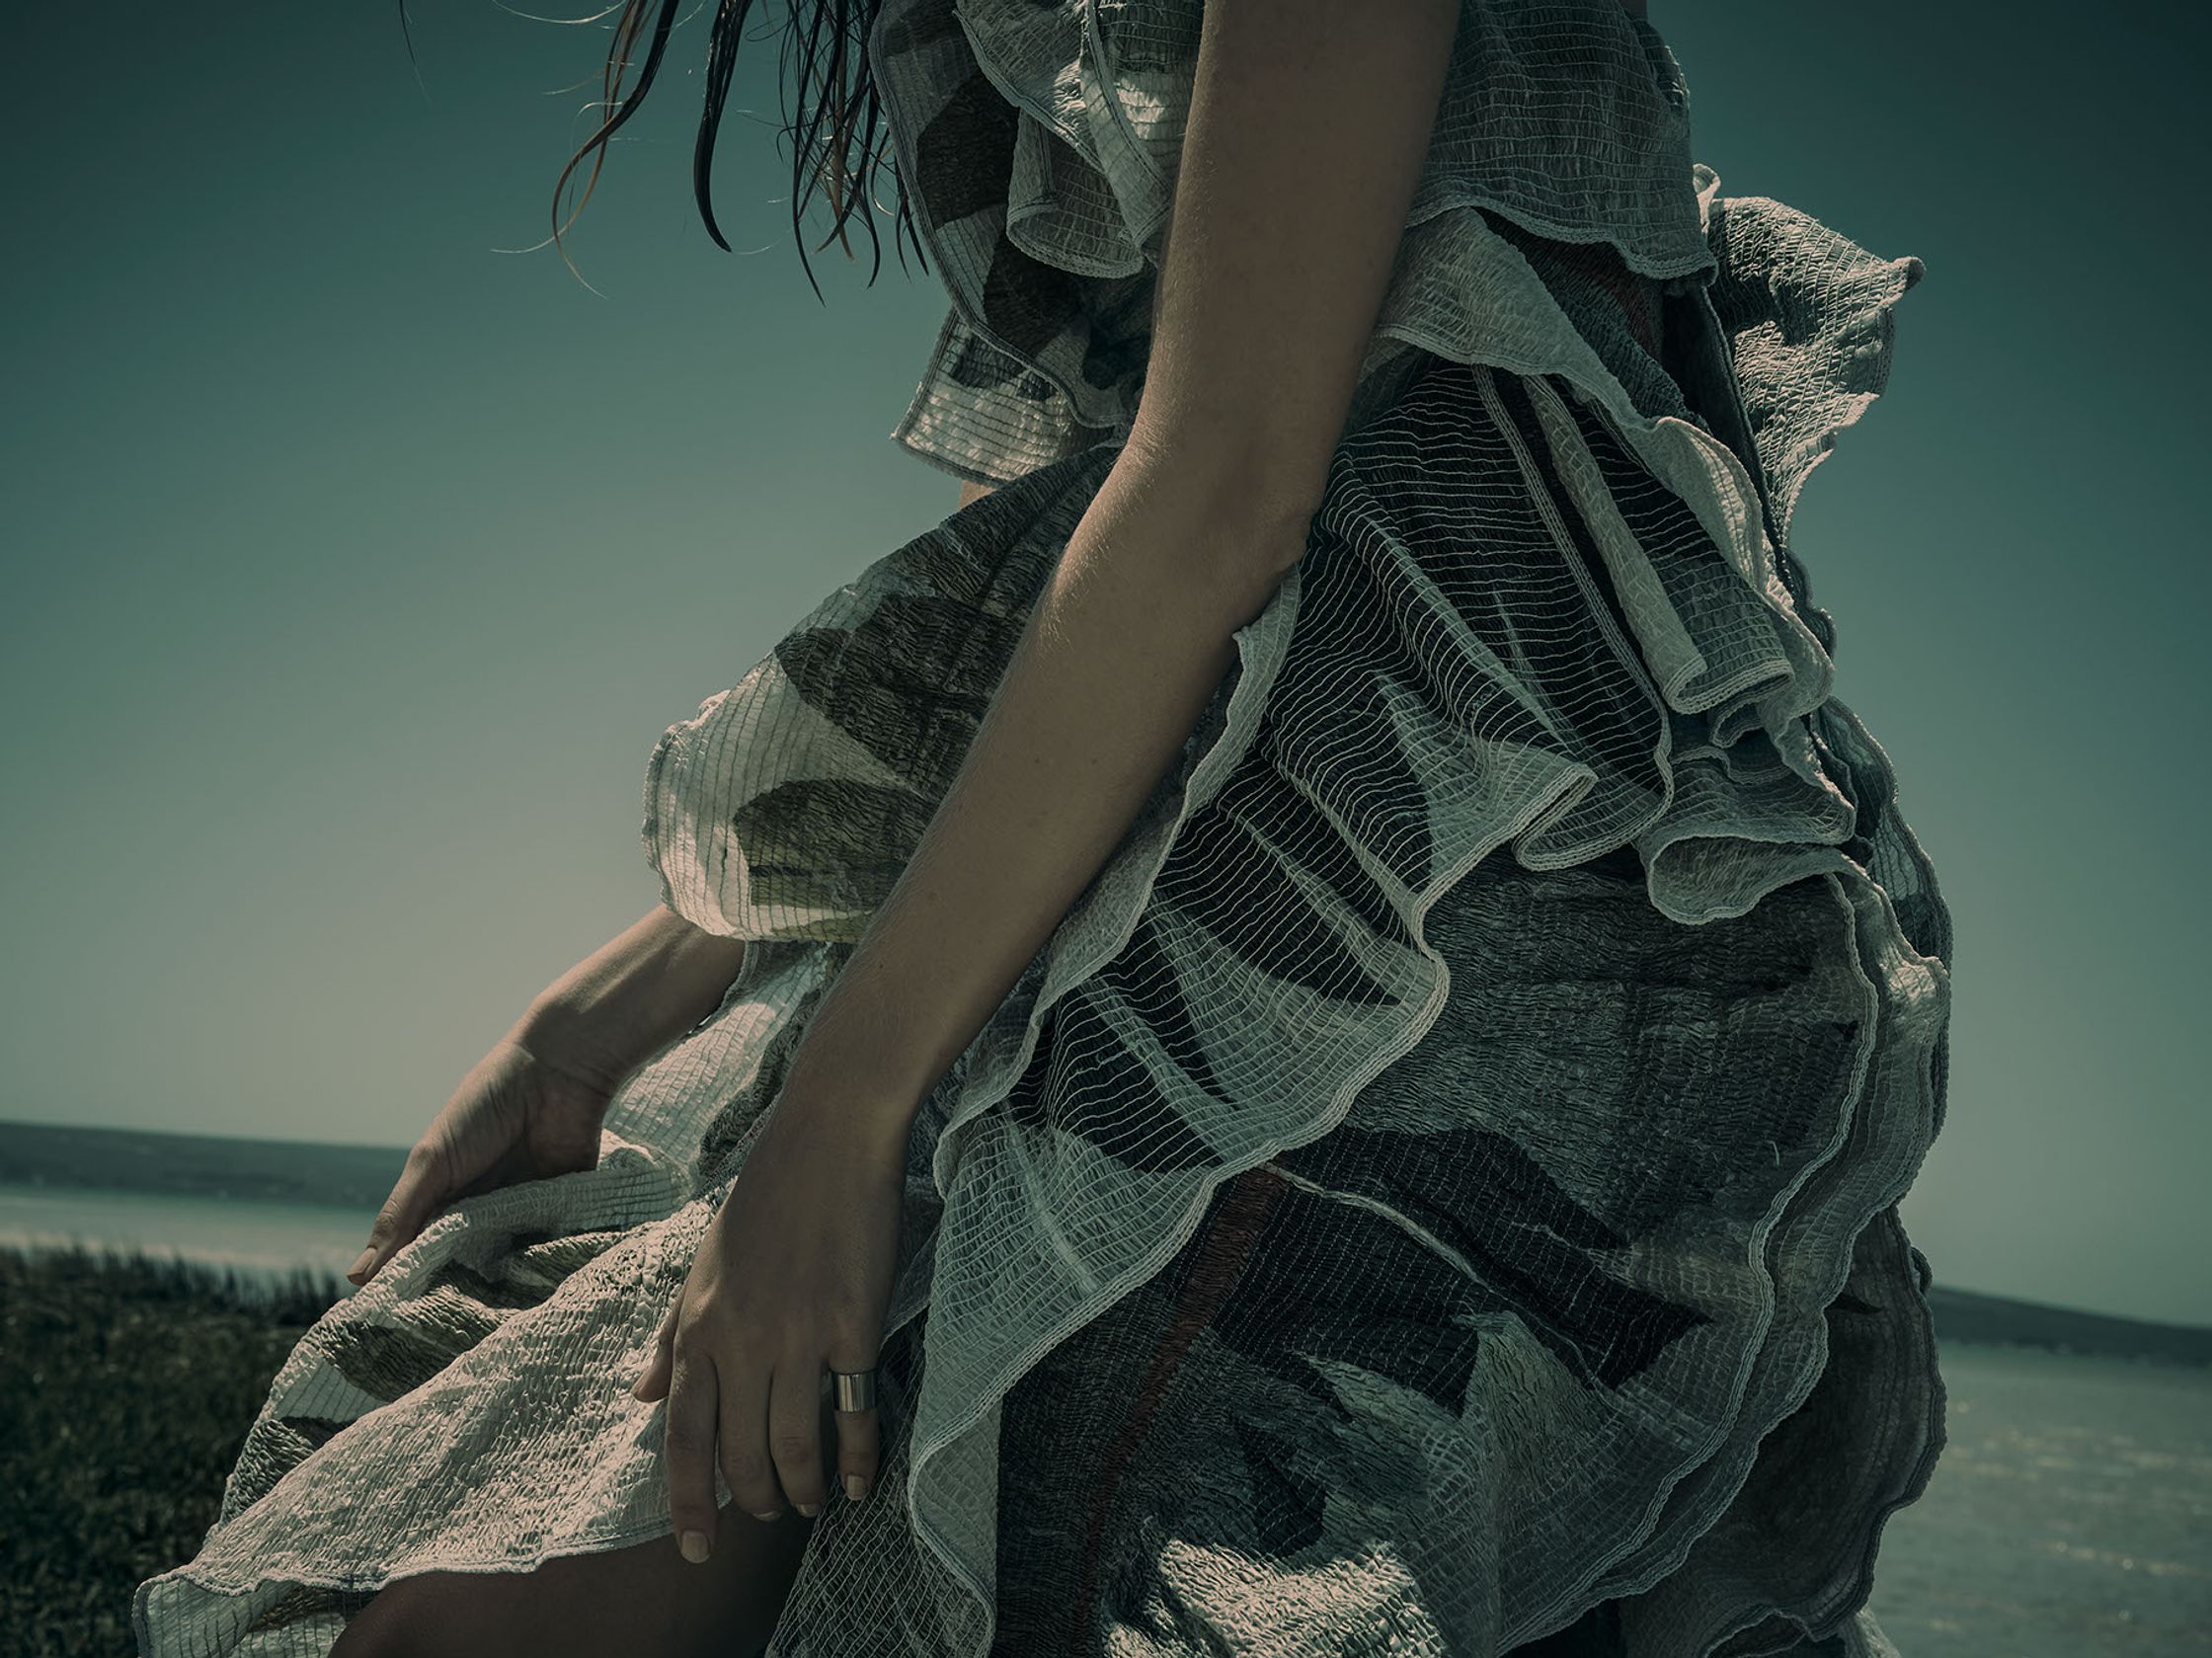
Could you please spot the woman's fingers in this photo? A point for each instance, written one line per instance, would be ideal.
(745, 1440)
(420, 1190)
(859, 1432)
(511, 1165)
(694, 1407)
(764, 1456)
(652, 1380)
(795, 1426)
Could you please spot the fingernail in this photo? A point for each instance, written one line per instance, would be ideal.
(810, 1510)
(855, 1486)
(694, 1547)
(361, 1264)
(768, 1514)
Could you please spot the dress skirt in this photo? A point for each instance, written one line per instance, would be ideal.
(1434, 1194)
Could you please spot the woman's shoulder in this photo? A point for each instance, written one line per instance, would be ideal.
(1039, 143)
(1571, 117)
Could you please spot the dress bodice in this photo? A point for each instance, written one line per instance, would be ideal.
(1040, 145)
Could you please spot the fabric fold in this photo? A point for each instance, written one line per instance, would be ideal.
(1041, 143)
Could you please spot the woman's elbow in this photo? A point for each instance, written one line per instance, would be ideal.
(1271, 486)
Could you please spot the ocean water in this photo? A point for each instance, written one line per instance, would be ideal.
(260, 1239)
(2069, 1515)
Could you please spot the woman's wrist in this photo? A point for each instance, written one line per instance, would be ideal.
(642, 989)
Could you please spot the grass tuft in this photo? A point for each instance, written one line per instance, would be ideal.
(128, 1381)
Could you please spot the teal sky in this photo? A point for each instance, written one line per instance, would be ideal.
(352, 566)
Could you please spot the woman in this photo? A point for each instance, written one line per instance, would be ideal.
(1298, 1031)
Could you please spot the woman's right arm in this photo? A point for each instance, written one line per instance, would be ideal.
(628, 999)
(532, 1108)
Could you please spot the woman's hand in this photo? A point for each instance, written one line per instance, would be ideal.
(793, 1277)
(518, 1115)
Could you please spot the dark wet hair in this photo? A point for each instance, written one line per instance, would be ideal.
(829, 41)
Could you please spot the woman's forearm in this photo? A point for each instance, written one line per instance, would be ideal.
(1122, 651)
(632, 997)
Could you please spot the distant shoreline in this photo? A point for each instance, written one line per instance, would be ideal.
(198, 1165)
(128, 1162)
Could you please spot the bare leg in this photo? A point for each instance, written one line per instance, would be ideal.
(645, 1600)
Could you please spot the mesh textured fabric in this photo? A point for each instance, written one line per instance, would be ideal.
(1041, 142)
(1434, 1192)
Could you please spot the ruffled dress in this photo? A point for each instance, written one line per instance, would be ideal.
(1435, 1193)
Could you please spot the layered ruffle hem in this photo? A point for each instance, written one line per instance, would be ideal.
(1534, 622)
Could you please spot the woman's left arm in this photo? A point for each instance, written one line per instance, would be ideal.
(1309, 120)
(1308, 123)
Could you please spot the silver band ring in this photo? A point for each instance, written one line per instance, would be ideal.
(856, 1389)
